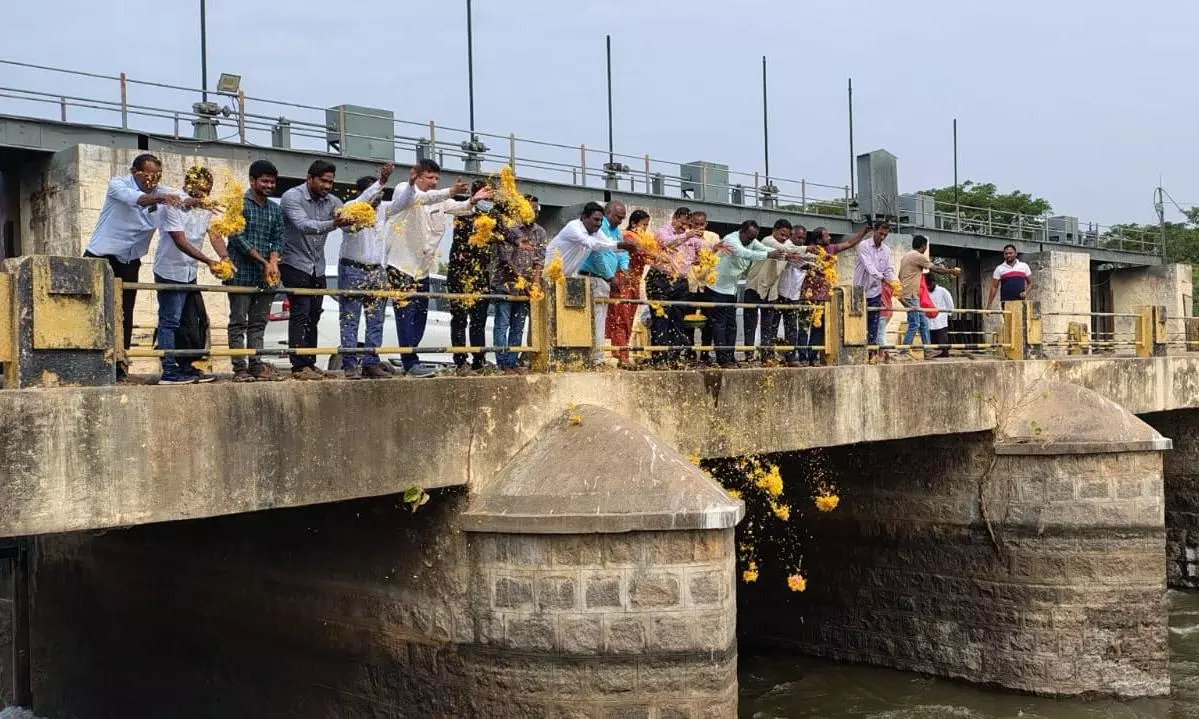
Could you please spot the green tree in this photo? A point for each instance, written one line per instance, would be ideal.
(981, 207)
(1182, 242)
(832, 208)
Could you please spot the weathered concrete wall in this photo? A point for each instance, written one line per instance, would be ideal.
(1165, 285)
(364, 610)
(1042, 574)
(86, 458)
(50, 211)
(1062, 284)
(1181, 472)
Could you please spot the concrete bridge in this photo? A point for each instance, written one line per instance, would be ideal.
(245, 550)
(1002, 521)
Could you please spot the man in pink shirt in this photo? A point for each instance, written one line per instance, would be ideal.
(667, 280)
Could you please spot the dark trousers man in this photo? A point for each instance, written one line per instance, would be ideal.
(411, 314)
(815, 338)
(941, 338)
(305, 314)
(248, 315)
(125, 272)
(724, 326)
(705, 332)
(667, 328)
(474, 317)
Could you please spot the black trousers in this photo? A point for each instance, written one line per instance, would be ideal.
(941, 337)
(305, 313)
(474, 317)
(667, 328)
(125, 272)
(724, 325)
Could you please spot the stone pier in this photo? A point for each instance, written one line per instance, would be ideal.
(591, 577)
(1181, 481)
(1029, 558)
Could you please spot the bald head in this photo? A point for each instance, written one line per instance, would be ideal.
(615, 212)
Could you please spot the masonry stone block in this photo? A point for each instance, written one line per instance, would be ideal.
(556, 593)
(654, 591)
(603, 591)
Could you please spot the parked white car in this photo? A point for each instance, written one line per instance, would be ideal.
(437, 330)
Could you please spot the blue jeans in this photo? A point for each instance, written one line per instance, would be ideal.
(509, 330)
(916, 320)
(354, 277)
(411, 314)
(874, 321)
(170, 309)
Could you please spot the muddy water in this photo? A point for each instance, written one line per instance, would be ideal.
(783, 686)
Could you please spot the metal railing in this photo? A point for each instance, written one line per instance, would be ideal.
(120, 101)
(399, 298)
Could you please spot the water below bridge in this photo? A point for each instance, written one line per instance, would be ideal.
(776, 685)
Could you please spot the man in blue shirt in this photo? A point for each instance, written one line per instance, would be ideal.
(127, 222)
(601, 267)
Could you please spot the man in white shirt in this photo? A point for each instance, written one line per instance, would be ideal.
(127, 221)
(939, 325)
(576, 241)
(414, 226)
(175, 260)
(361, 265)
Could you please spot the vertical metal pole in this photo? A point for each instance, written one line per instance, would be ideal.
(757, 191)
(1160, 205)
(803, 195)
(241, 115)
(124, 103)
(611, 151)
(957, 207)
(204, 53)
(22, 684)
(432, 136)
(512, 151)
(470, 68)
(341, 128)
(647, 183)
(852, 187)
(583, 163)
(765, 124)
(62, 105)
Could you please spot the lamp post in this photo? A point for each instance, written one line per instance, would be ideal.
(473, 147)
(769, 191)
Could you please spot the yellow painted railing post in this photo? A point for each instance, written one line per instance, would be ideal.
(539, 334)
(1151, 331)
(1033, 336)
(833, 348)
(1012, 336)
(850, 304)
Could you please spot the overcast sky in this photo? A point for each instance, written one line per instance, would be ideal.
(1084, 102)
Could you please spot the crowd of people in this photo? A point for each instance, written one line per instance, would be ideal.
(687, 274)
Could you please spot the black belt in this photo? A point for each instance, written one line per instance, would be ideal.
(585, 273)
(358, 265)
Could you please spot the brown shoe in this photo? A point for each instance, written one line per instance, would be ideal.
(375, 372)
(264, 373)
(307, 373)
(243, 375)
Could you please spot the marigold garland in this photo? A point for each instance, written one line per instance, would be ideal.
(797, 583)
(484, 227)
(231, 221)
(224, 269)
(360, 214)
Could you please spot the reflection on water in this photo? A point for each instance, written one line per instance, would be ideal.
(781, 686)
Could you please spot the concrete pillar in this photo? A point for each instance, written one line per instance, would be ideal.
(1031, 559)
(1181, 482)
(57, 325)
(1167, 286)
(594, 578)
(618, 602)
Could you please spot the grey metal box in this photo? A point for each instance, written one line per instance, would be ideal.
(369, 131)
(1063, 228)
(878, 185)
(919, 209)
(707, 181)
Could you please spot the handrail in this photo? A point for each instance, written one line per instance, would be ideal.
(650, 172)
